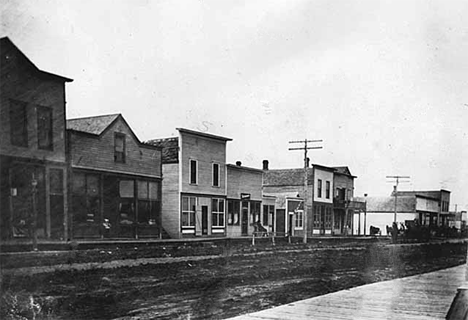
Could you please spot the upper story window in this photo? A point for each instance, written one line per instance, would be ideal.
(215, 175)
(119, 147)
(44, 128)
(193, 172)
(319, 188)
(327, 189)
(18, 124)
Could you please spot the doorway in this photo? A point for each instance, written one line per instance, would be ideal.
(245, 218)
(204, 220)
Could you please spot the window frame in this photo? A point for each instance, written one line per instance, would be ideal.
(190, 213)
(215, 215)
(319, 188)
(191, 173)
(45, 128)
(327, 189)
(214, 172)
(123, 153)
(14, 111)
(299, 220)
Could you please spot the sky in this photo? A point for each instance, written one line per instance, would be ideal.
(384, 84)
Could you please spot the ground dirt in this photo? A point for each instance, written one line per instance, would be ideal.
(232, 280)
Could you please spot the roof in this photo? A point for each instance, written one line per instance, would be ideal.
(286, 177)
(170, 148)
(93, 125)
(234, 166)
(344, 171)
(387, 204)
(203, 134)
(5, 42)
(431, 194)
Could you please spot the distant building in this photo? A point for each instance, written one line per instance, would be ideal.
(115, 188)
(194, 186)
(33, 163)
(424, 207)
(329, 199)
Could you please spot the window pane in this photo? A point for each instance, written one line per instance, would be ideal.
(18, 123)
(144, 211)
(78, 183)
(193, 204)
(126, 189)
(216, 175)
(153, 190)
(92, 185)
(221, 205)
(56, 181)
(185, 203)
(142, 189)
(44, 128)
(185, 219)
(214, 205)
(193, 171)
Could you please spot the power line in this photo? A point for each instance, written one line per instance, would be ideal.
(306, 182)
(397, 181)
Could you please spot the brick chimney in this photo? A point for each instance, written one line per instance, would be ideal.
(238, 163)
(265, 164)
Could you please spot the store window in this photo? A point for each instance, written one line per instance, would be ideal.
(233, 212)
(148, 202)
(217, 210)
(85, 196)
(188, 211)
(254, 212)
(127, 202)
(328, 218)
(316, 222)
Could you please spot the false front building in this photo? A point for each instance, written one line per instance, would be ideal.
(194, 186)
(33, 164)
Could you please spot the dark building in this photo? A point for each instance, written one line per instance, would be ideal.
(115, 188)
(33, 163)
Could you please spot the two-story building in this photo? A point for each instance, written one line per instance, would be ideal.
(287, 185)
(194, 185)
(33, 163)
(115, 180)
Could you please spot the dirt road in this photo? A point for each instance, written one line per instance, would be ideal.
(219, 286)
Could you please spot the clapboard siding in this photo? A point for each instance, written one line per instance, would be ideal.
(97, 152)
(241, 180)
(205, 151)
(170, 200)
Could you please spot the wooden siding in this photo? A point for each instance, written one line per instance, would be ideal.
(244, 181)
(205, 151)
(19, 83)
(341, 181)
(170, 200)
(97, 152)
(324, 176)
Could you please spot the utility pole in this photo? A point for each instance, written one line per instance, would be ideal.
(395, 226)
(306, 182)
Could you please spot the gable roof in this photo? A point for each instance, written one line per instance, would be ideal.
(170, 148)
(344, 171)
(95, 125)
(286, 177)
(6, 43)
(387, 204)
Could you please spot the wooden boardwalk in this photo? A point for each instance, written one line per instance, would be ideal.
(427, 296)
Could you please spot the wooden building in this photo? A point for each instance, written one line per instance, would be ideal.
(194, 187)
(33, 163)
(115, 189)
(246, 207)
